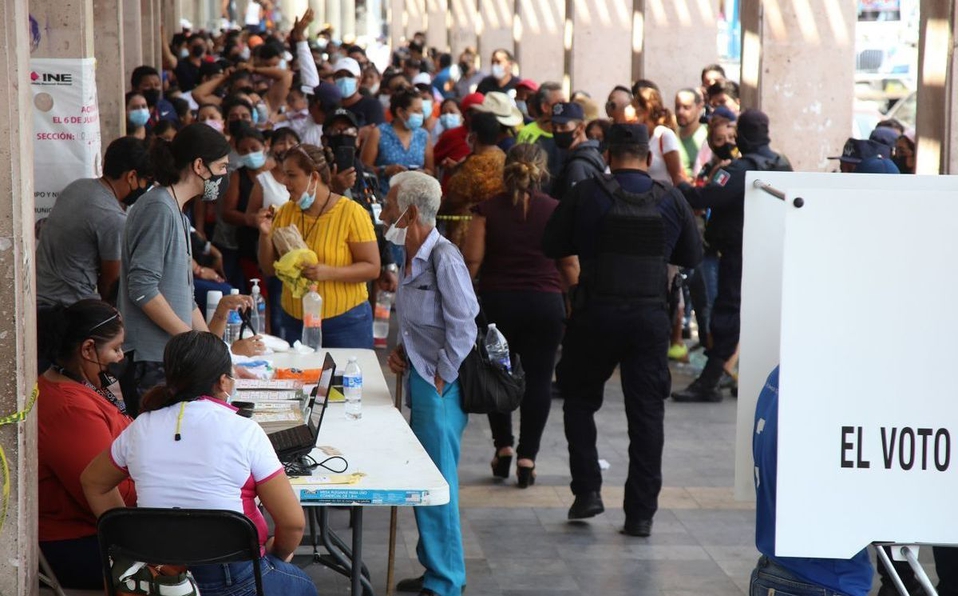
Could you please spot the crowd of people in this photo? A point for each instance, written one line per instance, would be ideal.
(600, 236)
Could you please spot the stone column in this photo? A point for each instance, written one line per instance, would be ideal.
(18, 536)
(540, 40)
(465, 21)
(438, 23)
(334, 16)
(396, 15)
(149, 28)
(415, 18)
(811, 116)
(132, 34)
(495, 29)
(598, 25)
(936, 70)
(110, 69)
(349, 19)
(66, 28)
(679, 39)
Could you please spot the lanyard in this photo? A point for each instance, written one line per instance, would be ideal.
(104, 392)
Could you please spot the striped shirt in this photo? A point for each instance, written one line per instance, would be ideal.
(437, 310)
(329, 236)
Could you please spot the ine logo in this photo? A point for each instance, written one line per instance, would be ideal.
(51, 78)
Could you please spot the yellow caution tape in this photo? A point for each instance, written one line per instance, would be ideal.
(454, 217)
(12, 419)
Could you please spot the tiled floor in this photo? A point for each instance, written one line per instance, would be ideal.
(518, 542)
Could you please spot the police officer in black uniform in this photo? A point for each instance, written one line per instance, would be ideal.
(725, 196)
(625, 229)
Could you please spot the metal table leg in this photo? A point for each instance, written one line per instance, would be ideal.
(357, 562)
(340, 557)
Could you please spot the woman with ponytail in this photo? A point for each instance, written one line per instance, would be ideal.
(521, 292)
(190, 449)
(77, 418)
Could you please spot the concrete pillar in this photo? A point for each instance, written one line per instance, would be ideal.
(596, 26)
(415, 20)
(495, 30)
(110, 69)
(675, 64)
(149, 28)
(540, 40)
(334, 16)
(66, 28)
(438, 23)
(936, 70)
(396, 16)
(132, 36)
(18, 537)
(465, 22)
(811, 116)
(319, 16)
(349, 19)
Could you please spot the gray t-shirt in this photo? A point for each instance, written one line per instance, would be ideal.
(157, 259)
(84, 228)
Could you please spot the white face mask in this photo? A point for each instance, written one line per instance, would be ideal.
(397, 235)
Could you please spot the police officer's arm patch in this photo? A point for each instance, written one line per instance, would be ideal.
(721, 178)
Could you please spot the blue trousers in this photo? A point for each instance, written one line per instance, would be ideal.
(769, 578)
(236, 579)
(352, 329)
(438, 422)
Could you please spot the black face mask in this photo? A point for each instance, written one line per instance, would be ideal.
(564, 139)
(135, 194)
(236, 126)
(214, 187)
(724, 151)
(197, 51)
(151, 96)
(463, 68)
(336, 141)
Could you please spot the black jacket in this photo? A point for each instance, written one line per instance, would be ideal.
(582, 163)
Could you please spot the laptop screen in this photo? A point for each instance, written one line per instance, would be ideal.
(320, 400)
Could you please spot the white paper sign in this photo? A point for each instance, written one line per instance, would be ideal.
(66, 126)
(868, 423)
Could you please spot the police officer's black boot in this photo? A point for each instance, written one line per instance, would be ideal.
(706, 387)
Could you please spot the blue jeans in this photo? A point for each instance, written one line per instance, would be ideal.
(769, 577)
(236, 579)
(202, 286)
(352, 329)
(438, 422)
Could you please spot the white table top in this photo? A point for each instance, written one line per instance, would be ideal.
(397, 469)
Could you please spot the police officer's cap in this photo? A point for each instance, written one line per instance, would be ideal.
(628, 134)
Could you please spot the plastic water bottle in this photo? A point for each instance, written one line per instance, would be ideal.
(258, 316)
(384, 304)
(233, 323)
(313, 319)
(213, 298)
(497, 348)
(353, 389)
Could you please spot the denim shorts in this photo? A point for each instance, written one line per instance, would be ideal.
(769, 578)
(236, 579)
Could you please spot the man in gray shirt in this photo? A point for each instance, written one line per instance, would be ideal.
(78, 251)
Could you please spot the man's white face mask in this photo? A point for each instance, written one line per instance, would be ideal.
(397, 235)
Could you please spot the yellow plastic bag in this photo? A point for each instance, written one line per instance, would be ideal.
(289, 269)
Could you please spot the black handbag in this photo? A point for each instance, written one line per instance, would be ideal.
(486, 388)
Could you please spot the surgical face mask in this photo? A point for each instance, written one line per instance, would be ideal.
(244, 53)
(306, 200)
(426, 108)
(498, 71)
(139, 117)
(384, 101)
(414, 122)
(346, 86)
(184, 53)
(261, 112)
(374, 89)
(216, 125)
(214, 187)
(396, 235)
(254, 160)
(523, 107)
(283, 65)
(450, 121)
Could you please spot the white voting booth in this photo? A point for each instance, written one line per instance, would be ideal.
(850, 282)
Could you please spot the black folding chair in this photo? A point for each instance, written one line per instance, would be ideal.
(178, 537)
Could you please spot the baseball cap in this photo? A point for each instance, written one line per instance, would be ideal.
(857, 150)
(627, 134)
(885, 135)
(327, 95)
(724, 113)
(349, 65)
(877, 165)
(344, 114)
(567, 112)
(528, 84)
(470, 101)
(422, 78)
(501, 106)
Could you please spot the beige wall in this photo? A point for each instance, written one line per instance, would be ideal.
(465, 18)
(496, 17)
(597, 26)
(811, 116)
(679, 41)
(110, 71)
(540, 39)
(437, 28)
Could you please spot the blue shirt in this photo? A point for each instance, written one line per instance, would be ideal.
(437, 310)
(848, 576)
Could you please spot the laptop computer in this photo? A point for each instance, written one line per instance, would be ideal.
(292, 443)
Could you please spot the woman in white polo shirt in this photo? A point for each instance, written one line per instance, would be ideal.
(189, 449)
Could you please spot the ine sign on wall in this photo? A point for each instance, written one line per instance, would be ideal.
(852, 294)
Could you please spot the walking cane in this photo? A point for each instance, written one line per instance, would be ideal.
(393, 514)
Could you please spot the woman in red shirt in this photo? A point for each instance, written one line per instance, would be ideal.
(77, 418)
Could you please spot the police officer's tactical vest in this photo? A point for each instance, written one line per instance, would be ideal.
(631, 267)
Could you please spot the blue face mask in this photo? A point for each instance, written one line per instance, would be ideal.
(415, 121)
(306, 200)
(346, 86)
(139, 117)
(255, 160)
(254, 117)
(426, 108)
(450, 121)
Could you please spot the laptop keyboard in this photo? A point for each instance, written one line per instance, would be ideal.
(291, 438)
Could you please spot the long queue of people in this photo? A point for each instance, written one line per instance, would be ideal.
(491, 193)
